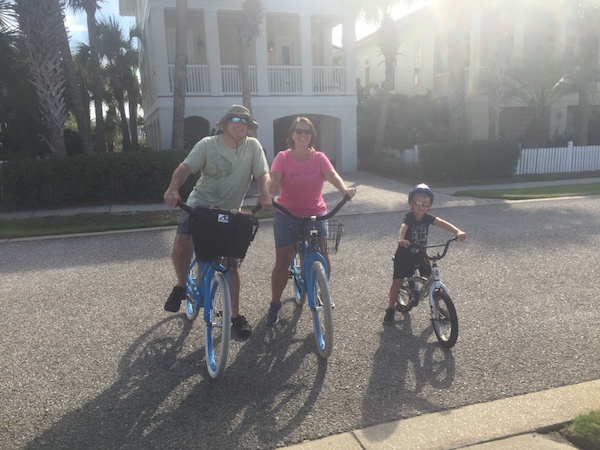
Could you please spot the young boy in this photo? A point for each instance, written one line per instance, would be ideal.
(413, 230)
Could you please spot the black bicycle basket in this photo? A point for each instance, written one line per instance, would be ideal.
(221, 233)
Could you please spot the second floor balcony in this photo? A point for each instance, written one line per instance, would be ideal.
(282, 80)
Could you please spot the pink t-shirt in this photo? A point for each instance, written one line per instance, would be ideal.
(301, 185)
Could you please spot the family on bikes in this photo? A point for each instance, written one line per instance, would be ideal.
(227, 163)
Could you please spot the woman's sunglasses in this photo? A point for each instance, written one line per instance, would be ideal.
(301, 131)
(243, 120)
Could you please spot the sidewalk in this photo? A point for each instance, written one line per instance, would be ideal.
(374, 194)
(511, 423)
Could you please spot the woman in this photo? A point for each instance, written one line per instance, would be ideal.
(298, 173)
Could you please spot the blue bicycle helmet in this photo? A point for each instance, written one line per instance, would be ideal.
(420, 189)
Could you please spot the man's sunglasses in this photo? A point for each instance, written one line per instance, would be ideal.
(242, 120)
(300, 131)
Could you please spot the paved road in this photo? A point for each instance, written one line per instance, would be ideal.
(90, 359)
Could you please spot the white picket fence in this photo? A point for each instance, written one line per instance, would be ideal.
(559, 159)
(538, 160)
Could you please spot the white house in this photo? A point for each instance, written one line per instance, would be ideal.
(294, 68)
(454, 42)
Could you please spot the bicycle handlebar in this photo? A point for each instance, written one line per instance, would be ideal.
(438, 256)
(188, 209)
(329, 215)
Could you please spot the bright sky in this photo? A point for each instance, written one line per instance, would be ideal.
(77, 23)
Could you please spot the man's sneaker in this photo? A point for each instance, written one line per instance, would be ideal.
(389, 315)
(241, 327)
(174, 301)
(273, 314)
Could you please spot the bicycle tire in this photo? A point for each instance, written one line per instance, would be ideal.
(446, 326)
(191, 290)
(403, 303)
(218, 327)
(299, 292)
(323, 310)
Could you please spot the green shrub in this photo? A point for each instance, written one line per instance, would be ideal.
(90, 179)
(469, 161)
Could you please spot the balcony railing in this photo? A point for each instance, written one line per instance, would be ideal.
(198, 81)
(232, 81)
(283, 80)
(329, 80)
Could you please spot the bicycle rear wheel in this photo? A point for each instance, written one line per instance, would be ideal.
(446, 325)
(299, 292)
(191, 290)
(323, 311)
(218, 325)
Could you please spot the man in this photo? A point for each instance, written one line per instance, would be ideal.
(227, 163)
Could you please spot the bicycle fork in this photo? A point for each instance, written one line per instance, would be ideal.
(435, 285)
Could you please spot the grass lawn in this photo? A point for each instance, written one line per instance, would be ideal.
(570, 190)
(584, 431)
(90, 223)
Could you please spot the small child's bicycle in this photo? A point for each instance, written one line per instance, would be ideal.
(309, 270)
(443, 312)
(218, 236)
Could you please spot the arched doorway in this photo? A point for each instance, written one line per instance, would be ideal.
(194, 129)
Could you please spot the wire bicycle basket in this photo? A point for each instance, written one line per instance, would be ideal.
(329, 233)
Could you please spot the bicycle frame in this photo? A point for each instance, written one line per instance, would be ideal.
(429, 286)
(202, 291)
(308, 250)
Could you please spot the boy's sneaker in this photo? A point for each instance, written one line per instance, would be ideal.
(241, 327)
(389, 315)
(174, 301)
(273, 314)
(414, 297)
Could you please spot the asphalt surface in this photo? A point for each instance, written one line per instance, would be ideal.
(90, 359)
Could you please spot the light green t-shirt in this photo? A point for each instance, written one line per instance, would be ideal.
(225, 172)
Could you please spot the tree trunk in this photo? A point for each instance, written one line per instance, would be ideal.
(180, 77)
(96, 81)
(80, 110)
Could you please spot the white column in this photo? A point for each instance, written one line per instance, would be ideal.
(349, 47)
(158, 46)
(306, 54)
(473, 85)
(262, 61)
(213, 53)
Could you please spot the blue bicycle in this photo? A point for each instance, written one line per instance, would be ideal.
(207, 284)
(309, 271)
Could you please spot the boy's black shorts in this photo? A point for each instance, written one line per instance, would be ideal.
(405, 263)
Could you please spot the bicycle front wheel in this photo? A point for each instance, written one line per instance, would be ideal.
(218, 325)
(299, 291)
(323, 311)
(446, 325)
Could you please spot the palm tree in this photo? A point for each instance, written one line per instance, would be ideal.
(81, 109)
(247, 32)
(180, 76)
(90, 7)
(39, 22)
(120, 59)
(380, 12)
(535, 82)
